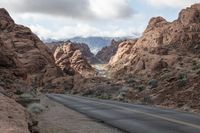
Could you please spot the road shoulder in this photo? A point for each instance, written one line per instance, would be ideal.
(58, 118)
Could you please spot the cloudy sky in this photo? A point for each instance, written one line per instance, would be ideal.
(68, 18)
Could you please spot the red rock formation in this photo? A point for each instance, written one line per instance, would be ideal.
(105, 54)
(24, 59)
(13, 117)
(163, 40)
(84, 49)
(165, 51)
(71, 60)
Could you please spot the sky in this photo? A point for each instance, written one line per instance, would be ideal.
(59, 19)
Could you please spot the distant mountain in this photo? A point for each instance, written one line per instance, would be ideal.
(95, 43)
(105, 54)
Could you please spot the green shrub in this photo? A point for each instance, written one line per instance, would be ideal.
(182, 76)
(140, 88)
(104, 96)
(153, 83)
(182, 79)
(147, 100)
(35, 108)
(26, 96)
(182, 82)
(196, 67)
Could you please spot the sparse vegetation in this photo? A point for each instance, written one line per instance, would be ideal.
(140, 88)
(182, 82)
(105, 96)
(147, 100)
(35, 108)
(182, 79)
(26, 96)
(182, 76)
(195, 65)
(153, 83)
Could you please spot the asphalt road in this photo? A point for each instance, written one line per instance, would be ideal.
(130, 117)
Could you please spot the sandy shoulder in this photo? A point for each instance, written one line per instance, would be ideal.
(59, 119)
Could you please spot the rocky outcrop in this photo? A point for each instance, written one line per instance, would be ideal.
(25, 62)
(84, 49)
(162, 40)
(27, 66)
(169, 53)
(71, 60)
(13, 117)
(53, 45)
(105, 54)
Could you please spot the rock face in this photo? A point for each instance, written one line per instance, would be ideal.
(71, 59)
(162, 42)
(84, 49)
(105, 54)
(25, 62)
(26, 66)
(169, 53)
(13, 117)
(53, 45)
(95, 43)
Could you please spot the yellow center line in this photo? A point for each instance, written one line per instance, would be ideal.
(145, 113)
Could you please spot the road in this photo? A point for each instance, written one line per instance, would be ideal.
(130, 117)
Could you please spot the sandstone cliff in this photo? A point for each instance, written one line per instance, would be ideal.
(84, 49)
(13, 117)
(168, 55)
(71, 59)
(105, 54)
(25, 62)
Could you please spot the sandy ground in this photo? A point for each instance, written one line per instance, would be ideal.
(59, 119)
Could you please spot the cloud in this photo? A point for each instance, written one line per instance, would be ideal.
(64, 32)
(83, 30)
(111, 8)
(78, 9)
(172, 3)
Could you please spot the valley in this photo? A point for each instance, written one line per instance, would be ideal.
(155, 76)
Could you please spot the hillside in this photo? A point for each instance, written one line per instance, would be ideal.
(166, 59)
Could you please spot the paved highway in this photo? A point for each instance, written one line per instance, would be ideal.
(130, 117)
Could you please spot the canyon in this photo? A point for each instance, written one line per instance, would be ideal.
(160, 68)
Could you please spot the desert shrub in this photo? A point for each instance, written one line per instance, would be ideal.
(153, 83)
(140, 88)
(121, 96)
(18, 92)
(49, 86)
(26, 99)
(104, 96)
(195, 66)
(2, 83)
(26, 96)
(131, 80)
(147, 100)
(35, 108)
(182, 82)
(182, 79)
(181, 76)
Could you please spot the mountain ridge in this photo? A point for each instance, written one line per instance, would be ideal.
(96, 43)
